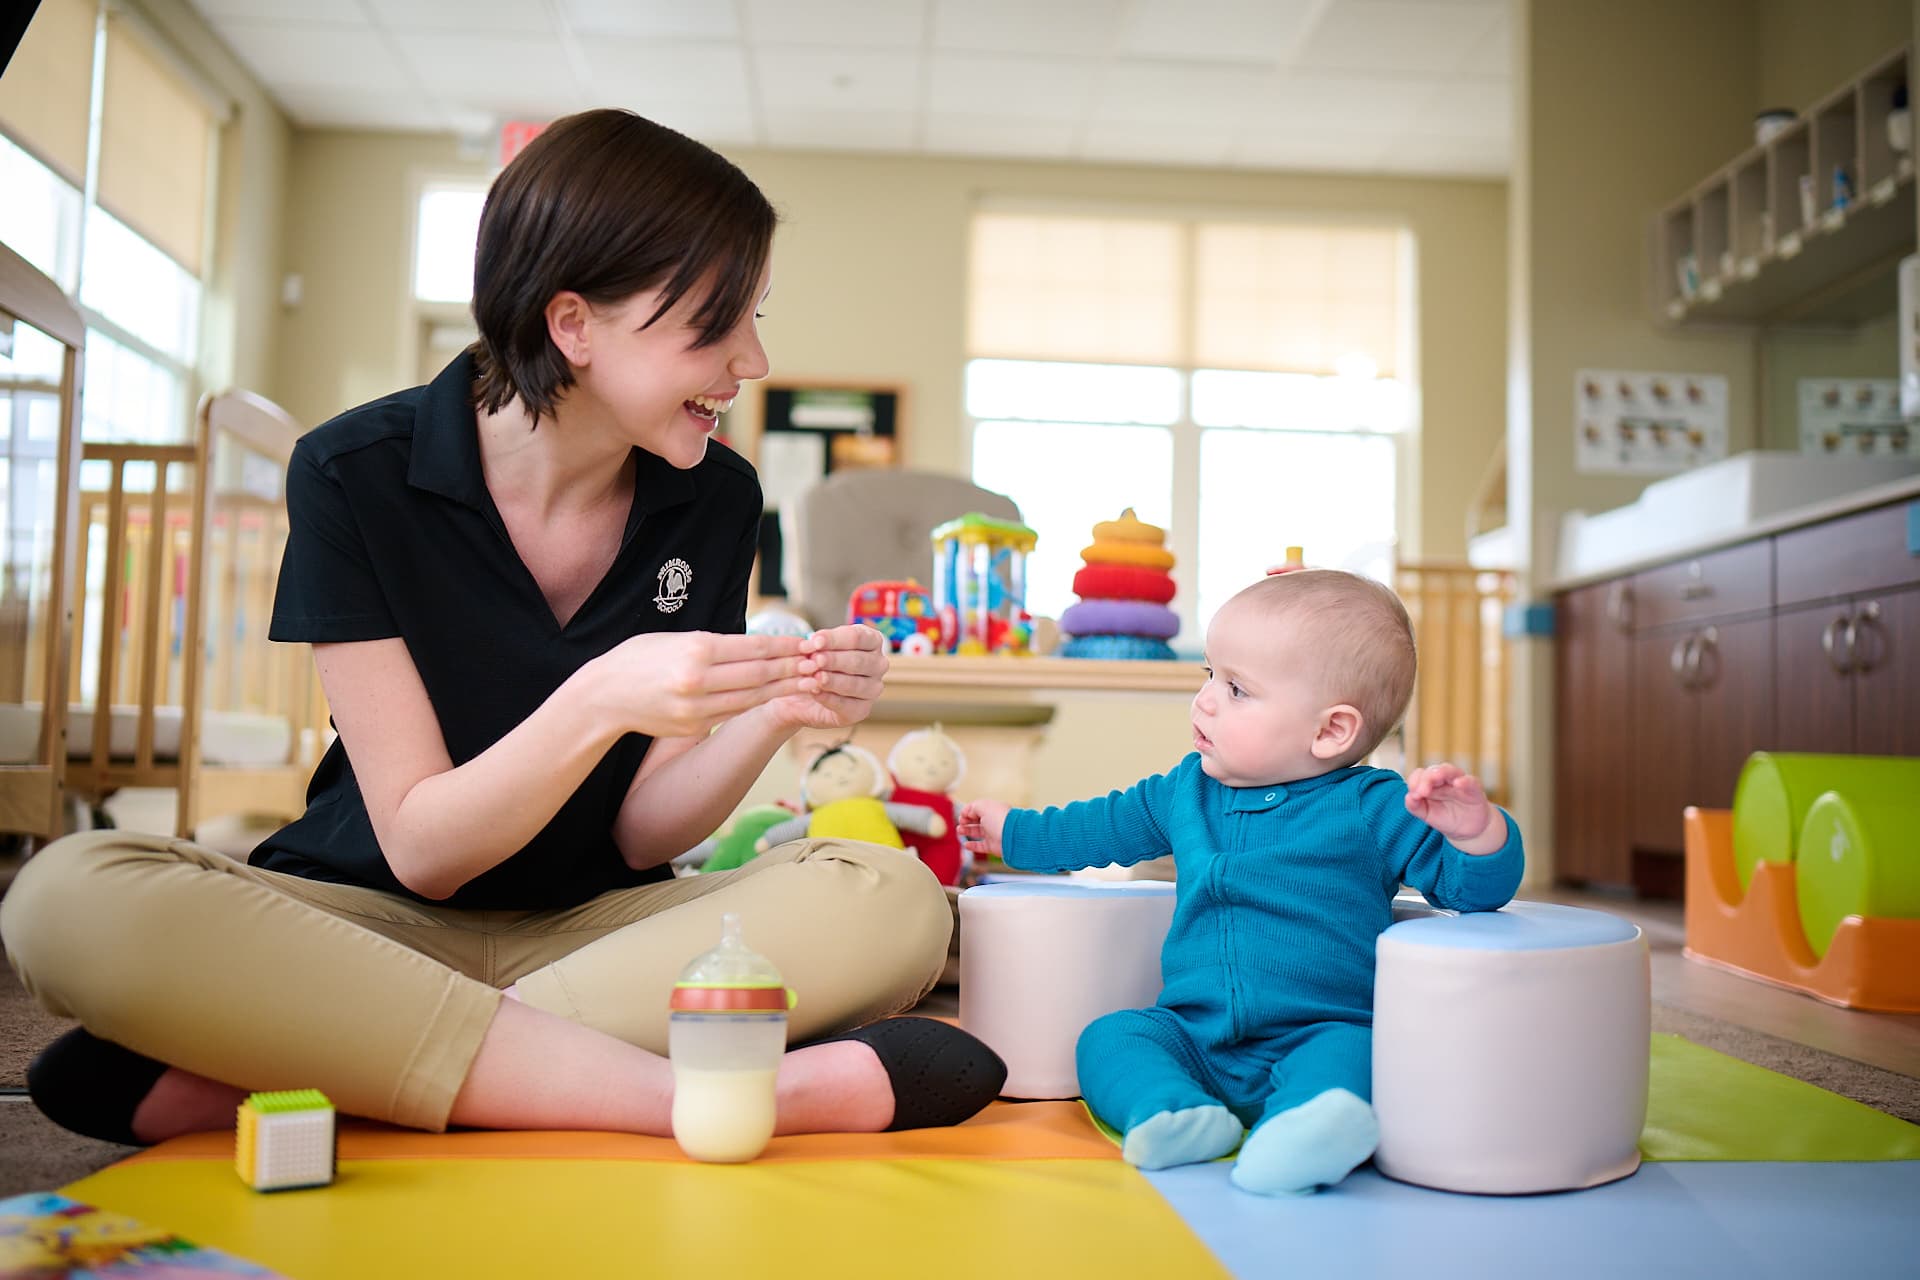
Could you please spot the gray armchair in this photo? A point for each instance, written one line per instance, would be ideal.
(863, 525)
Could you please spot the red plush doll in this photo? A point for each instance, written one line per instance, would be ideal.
(926, 764)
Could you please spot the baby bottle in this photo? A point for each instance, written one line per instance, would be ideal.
(727, 1032)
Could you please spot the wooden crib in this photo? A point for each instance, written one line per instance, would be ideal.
(39, 389)
(1462, 696)
(181, 553)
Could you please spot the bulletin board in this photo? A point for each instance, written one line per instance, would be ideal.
(810, 430)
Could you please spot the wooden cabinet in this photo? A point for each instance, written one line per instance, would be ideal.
(1700, 706)
(1591, 689)
(1668, 679)
(1847, 675)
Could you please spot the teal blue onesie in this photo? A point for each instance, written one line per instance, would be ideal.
(1268, 965)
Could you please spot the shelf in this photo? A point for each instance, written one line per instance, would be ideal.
(1839, 272)
(940, 677)
(1805, 229)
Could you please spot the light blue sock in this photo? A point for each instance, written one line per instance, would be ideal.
(1312, 1145)
(1182, 1137)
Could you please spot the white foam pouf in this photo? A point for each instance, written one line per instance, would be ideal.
(1510, 1049)
(1041, 959)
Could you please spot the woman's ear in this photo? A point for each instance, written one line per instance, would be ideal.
(568, 315)
(1339, 730)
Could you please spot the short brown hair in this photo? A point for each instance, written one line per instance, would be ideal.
(606, 203)
(1358, 639)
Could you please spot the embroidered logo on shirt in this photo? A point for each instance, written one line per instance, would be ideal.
(675, 579)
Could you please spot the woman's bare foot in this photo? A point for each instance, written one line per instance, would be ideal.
(181, 1102)
(833, 1088)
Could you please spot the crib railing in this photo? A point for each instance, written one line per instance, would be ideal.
(1462, 695)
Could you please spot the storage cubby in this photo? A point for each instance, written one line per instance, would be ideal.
(1835, 130)
(1788, 160)
(1680, 264)
(1752, 228)
(1805, 228)
(1883, 91)
(1712, 225)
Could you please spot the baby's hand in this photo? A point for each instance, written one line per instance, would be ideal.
(1452, 802)
(979, 823)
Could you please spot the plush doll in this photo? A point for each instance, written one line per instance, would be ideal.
(842, 789)
(733, 845)
(926, 766)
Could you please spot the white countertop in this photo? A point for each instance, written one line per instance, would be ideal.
(1812, 513)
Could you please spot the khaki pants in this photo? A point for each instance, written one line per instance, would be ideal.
(271, 981)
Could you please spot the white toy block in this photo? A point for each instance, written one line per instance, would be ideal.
(285, 1140)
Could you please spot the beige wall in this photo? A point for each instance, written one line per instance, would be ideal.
(240, 326)
(1807, 48)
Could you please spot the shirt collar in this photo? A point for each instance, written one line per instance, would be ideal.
(1252, 799)
(446, 454)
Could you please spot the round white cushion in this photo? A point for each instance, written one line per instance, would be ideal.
(1042, 958)
(1510, 1049)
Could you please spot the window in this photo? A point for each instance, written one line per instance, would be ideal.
(130, 247)
(444, 237)
(1237, 384)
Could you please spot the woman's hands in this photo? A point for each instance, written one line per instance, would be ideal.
(844, 670)
(680, 684)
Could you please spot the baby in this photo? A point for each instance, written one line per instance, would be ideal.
(1288, 852)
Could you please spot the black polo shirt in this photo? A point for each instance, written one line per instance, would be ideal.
(392, 533)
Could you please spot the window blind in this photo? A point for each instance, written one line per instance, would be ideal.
(1285, 297)
(155, 147)
(1298, 298)
(1046, 287)
(46, 94)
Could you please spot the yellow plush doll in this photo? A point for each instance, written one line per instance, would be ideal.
(842, 792)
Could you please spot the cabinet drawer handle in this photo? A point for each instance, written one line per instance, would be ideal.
(1620, 605)
(1695, 591)
(1830, 643)
(1867, 620)
(1684, 659)
(1706, 643)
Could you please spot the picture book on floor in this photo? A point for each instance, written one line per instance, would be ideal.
(44, 1236)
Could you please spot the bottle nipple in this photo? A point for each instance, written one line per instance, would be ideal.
(730, 977)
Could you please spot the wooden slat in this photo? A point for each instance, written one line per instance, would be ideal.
(152, 647)
(27, 294)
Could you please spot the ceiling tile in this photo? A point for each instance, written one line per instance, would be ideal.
(347, 13)
(1298, 103)
(492, 17)
(518, 75)
(322, 109)
(840, 130)
(1432, 36)
(848, 24)
(1079, 28)
(695, 88)
(655, 19)
(1319, 150)
(999, 136)
(977, 84)
(1261, 31)
(1182, 94)
(1493, 56)
(1468, 108)
(1457, 157)
(288, 56)
(826, 80)
(1142, 142)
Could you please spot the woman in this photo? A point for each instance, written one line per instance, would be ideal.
(524, 584)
